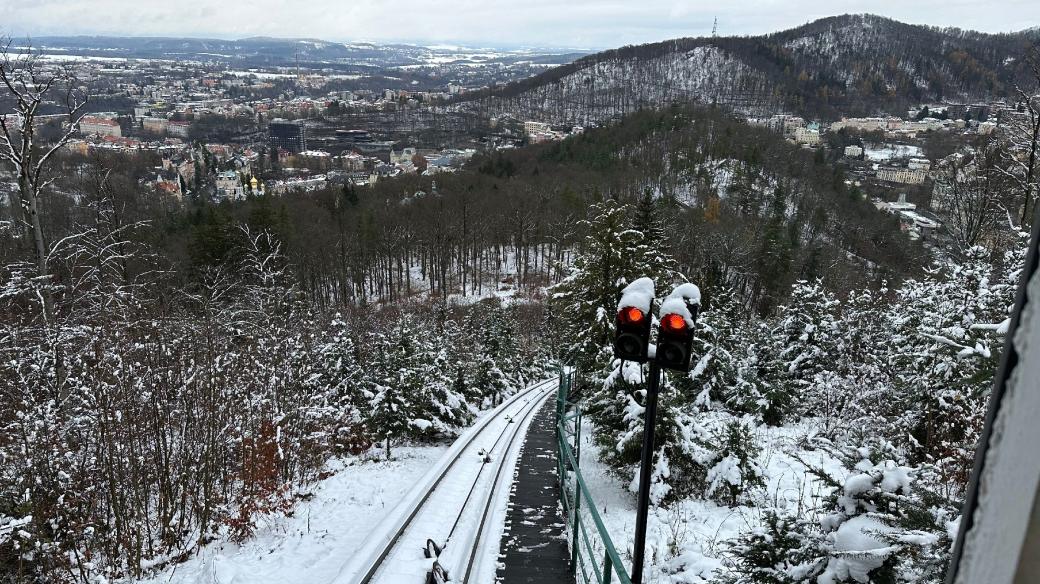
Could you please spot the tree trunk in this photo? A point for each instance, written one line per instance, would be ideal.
(29, 198)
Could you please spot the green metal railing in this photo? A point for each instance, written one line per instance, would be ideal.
(593, 555)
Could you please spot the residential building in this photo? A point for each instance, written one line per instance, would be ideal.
(178, 129)
(155, 125)
(919, 164)
(901, 175)
(314, 159)
(531, 128)
(405, 155)
(169, 183)
(350, 161)
(289, 135)
(99, 126)
(853, 151)
(229, 185)
(806, 136)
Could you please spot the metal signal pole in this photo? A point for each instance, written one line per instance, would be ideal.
(645, 470)
(678, 313)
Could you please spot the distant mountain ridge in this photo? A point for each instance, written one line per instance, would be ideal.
(849, 64)
(269, 51)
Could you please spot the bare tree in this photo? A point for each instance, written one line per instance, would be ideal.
(1020, 130)
(32, 84)
(970, 195)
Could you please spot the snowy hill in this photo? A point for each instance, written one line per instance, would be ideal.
(843, 64)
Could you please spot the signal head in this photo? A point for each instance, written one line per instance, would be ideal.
(675, 335)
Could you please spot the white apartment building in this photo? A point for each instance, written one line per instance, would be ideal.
(807, 136)
(99, 126)
(907, 176)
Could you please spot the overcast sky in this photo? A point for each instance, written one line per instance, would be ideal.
(570, 23)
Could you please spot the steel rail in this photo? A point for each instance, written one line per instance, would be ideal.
(494, 487)
(373, 569)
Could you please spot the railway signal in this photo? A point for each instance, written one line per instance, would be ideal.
(675, 334)
(632, 324)
(674, 349)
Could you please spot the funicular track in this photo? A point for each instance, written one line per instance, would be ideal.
(437, 531)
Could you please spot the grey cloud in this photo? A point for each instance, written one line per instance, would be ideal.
(591, 23)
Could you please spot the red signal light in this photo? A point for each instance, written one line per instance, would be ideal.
(673, 323)
(631, 315)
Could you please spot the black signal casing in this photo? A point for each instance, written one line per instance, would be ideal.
(675, 348)
(631, 340)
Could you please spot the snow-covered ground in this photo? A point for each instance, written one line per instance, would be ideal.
(685, 541)
(885, 152)
(448, 503)
(327, 535)
(323, 532)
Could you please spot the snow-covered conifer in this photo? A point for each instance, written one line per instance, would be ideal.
(733, 469)
(802, 342)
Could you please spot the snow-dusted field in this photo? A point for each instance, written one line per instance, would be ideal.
(884, 152)
(324, 532)
(697, 528)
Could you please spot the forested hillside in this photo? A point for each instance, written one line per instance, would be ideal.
(842, 65)
(744, 206)
(741, 205)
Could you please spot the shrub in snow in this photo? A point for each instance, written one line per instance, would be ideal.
(489, 382)
(494, 328)
(714, 378)
(783, 550)
(647, 221)
(263, 490)
(762, 386)
(678, 471)
(399, 407)
(733, 470)
(878, 525)
(448, 409)
(338, 394)
(946, 333)
(850, 393)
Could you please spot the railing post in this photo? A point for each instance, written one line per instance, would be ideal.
(577, 439)
(560, 395)
(576, 526)
(613, 569)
